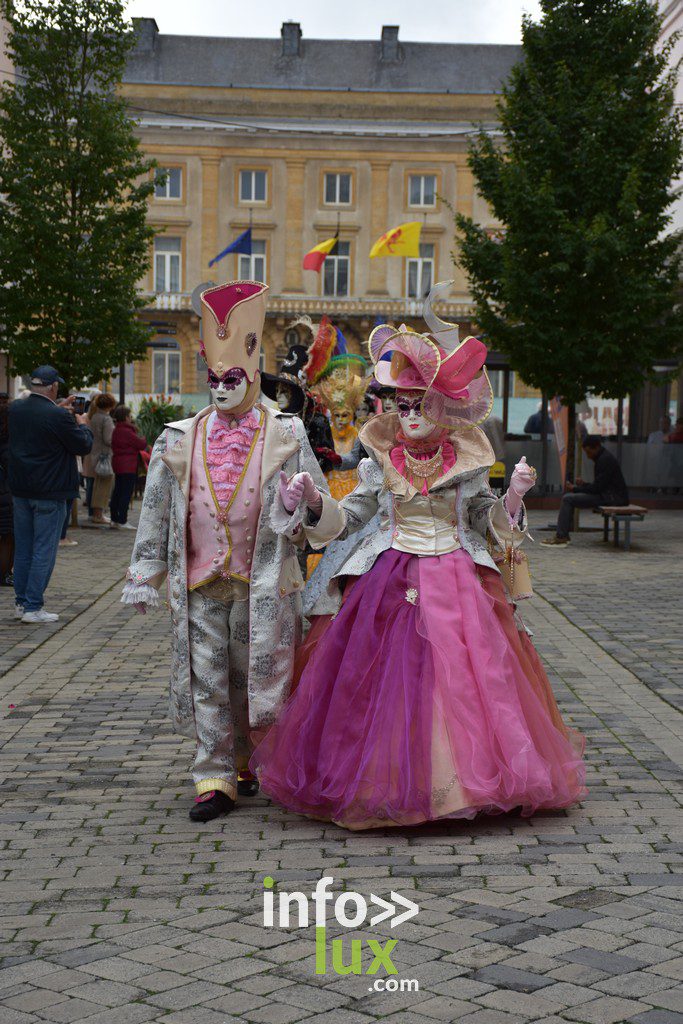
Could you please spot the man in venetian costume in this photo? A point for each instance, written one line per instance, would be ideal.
(424, 699)
(210, 524)
(289, 389)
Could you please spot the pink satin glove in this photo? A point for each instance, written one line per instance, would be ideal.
(300, 486)
(522, 480)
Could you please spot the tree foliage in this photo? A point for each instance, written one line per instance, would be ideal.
(73, 235)
(580, 287)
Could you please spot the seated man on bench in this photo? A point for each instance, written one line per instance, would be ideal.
(608, 488)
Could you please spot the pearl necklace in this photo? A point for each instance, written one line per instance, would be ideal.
(425, 469)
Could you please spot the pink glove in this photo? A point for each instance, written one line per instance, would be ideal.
(522, 480)
(301, 485)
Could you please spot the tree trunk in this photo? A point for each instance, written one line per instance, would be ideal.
(571, 455)
(571, 442)
(544, 445)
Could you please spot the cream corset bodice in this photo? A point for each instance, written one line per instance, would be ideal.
(426, 524)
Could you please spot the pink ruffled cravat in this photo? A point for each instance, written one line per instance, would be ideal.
(227, 450)
(422, 451)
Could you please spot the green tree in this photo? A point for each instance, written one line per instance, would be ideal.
(74, 184)
(580, 287)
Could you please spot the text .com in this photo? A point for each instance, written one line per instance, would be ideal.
(394, 985)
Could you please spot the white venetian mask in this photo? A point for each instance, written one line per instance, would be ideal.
(283, 398)
(228, 391)
(413, 422)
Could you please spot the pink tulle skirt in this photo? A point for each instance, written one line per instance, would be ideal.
(421, 701)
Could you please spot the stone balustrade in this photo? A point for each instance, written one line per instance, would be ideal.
(317, 305)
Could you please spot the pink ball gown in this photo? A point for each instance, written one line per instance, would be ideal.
(423, 699)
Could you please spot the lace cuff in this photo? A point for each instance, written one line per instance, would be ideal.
(140, 593)
(503, 530)
(284, 523)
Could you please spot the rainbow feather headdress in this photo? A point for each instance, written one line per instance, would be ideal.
(334, 374)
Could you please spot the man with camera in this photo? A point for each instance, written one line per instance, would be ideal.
(44, 439)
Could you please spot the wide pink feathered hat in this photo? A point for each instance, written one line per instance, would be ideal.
(457, 390)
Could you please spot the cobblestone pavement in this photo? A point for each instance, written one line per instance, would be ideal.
(116, 909)
(626, 601)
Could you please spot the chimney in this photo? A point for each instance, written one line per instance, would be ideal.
(146, 32)
(291, 39)
(390, 48)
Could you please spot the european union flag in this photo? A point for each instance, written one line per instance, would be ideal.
(241, 244)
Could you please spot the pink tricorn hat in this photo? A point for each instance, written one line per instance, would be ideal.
(233, 315)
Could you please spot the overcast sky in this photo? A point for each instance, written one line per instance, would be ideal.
(454, 21)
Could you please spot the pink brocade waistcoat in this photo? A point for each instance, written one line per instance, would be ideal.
(221, 539)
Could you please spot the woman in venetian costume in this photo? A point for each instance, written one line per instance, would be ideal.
(342, 390)
(289, 389)
(425, 699)
(336, 379)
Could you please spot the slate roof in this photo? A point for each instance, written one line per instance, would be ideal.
(322, 64)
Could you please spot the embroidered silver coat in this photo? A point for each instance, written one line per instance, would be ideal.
(370, 517)
(160, 553)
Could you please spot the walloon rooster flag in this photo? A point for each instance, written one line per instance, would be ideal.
(403, 240)
(314, 259)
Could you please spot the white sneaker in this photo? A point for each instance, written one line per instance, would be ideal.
(126, 526)
(40, 616)
(18, 610)
(114, 526)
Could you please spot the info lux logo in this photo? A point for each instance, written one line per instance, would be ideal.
(350, 911)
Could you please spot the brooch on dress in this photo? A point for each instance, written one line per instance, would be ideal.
(411, 595)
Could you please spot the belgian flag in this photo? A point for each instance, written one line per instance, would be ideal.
(314, 259)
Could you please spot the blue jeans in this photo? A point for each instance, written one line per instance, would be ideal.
(569, 502)
(37, 528)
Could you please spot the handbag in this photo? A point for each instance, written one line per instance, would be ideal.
(103, 466)
(514, 568)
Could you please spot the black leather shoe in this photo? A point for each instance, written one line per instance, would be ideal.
(247, 787)
(206, 810)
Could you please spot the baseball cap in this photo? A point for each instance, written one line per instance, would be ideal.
(45, 375)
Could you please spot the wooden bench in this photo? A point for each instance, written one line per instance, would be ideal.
(625, 514)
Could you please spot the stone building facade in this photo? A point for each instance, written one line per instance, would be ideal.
(297, 138)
